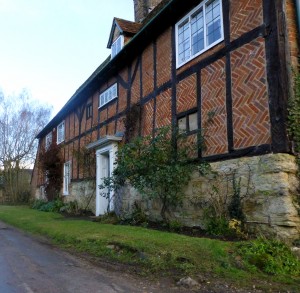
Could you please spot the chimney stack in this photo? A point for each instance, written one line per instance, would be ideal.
(143, 7)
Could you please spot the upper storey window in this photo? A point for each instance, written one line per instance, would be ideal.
(108, 95)
(117, 46)
(198, 31)
(61, 132)
(48, 140)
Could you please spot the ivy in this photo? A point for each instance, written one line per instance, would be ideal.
(294, 114)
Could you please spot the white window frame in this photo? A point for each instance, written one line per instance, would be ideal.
(108, 95)
(60, 132)
(117, 46)
(67, 177)
(48, 140)
(187, 18)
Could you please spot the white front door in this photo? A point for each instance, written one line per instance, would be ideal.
(105, 163)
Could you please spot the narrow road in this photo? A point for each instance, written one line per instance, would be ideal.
(28, 265)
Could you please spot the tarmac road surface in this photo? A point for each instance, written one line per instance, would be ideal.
(28, 265)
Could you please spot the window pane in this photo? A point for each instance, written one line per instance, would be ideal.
(182, 123)
(114, 90)
(197, 32)
(193, 122)
(213, 21)
(184, 42)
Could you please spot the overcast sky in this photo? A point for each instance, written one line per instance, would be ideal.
(50, 47)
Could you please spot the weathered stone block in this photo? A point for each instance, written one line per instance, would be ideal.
(268, 190)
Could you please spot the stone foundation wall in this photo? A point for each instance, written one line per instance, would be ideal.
(267, 185)
(84, 192)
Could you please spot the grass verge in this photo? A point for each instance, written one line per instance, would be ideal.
(153, 252)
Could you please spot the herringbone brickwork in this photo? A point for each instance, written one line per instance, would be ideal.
(163, 109)
(102, 131)
(244, 16)
(147, 118)
(122, 98)
(103, 115)
(164, 58)
(135, 89)
(251, 121)
(213, 109)
(148, 72)
(120, 125)
(112, 110)
(111, 128)
(186, 94)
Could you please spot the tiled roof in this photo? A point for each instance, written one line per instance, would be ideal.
(128, 26)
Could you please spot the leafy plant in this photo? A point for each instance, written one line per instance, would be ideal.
(175, 226)
(51, 206)
(235, 207)
(51, 165)
(294, 114)
(270, 256)
(38, 203)
(137, 217)
(223, 205)
(294, 125)
(156, 168)
(70, 208)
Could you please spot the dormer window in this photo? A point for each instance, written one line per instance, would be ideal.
(117, 46)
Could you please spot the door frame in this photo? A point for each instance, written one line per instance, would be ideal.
(104, 151)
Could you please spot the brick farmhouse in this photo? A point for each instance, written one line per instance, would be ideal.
(183, 63)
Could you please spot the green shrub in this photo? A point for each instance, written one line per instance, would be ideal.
(175, 226)
(157, 167)
(270, 256)
(38, 203)
(51, 206)
(218, 226)
(137, 217)
(70, 208)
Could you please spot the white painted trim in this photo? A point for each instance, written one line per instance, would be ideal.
(121, 38)
(104, 141)
(110, 150)
(66, 191)
(111, 88)
(57, 132)
(202, 4)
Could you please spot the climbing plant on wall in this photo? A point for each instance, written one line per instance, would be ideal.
(51, 166)
(156, 168)
(294, 124)
(294, 114)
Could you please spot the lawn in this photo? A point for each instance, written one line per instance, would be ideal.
(151, 252)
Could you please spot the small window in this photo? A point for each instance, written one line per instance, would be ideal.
(117, 46)
(89, 111)
(200, 30)
(48, 140)
(188, 122)
(108, 95)
(67, 178)
(61, 132)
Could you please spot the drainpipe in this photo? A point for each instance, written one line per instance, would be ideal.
(298, 16)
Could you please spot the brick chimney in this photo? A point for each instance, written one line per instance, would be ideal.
(143, 7)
